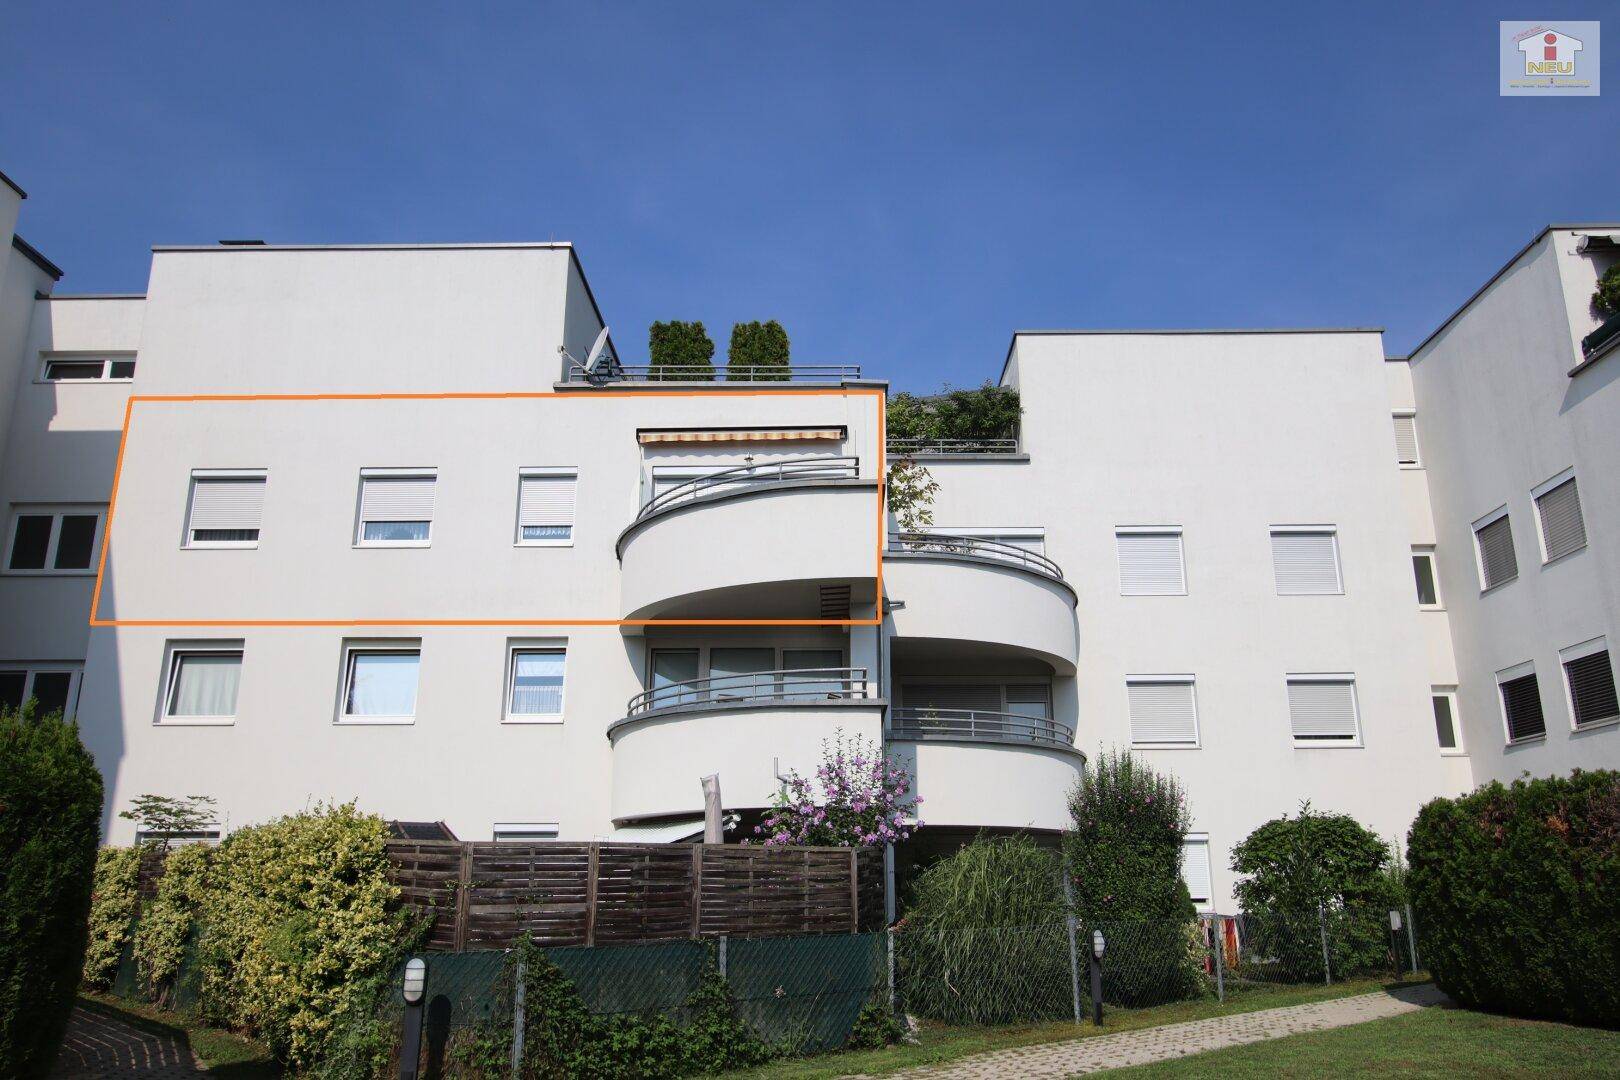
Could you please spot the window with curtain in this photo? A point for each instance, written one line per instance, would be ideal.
(537, 683)
(225, 510)
(381, 683)
(396, 509)
(546, 500)
(203, 684)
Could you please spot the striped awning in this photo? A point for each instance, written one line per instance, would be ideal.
(722, 435)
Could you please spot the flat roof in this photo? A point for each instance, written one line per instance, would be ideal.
(91, 296)
(32, 254)
(12, 184)
(250, 248)
(1138, 331)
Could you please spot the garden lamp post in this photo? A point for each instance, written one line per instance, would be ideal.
(414, 990)
(1098, 947)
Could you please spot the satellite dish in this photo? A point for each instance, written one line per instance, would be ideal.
(601, 366)
(596, 348)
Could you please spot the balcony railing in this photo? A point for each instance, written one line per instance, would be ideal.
(1602, 339)
(798, 686)
(788, 470)
(973, 725)
(926, 447)
(973, 547)
(603, 374)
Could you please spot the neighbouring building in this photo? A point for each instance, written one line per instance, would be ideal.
(379, 535)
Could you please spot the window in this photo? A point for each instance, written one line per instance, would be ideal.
(1558, 507)
(822, 673)
(1406, 447)
(1589, 677)
(1195, 870)
(379, 682)
(1322, 710)
(88, 369)
(1493, 536)
(396, 508)
(1151, 562)
(1305, 561)
(1164, 712)
(1032, 701)
(47, 540)
(1444, 700)
(518, 832)
(535, 682)
(1521, 703)
(177, 839)
(55, 688)
(226, 508)
(546, 507)
(202, 683)
(1428, 592)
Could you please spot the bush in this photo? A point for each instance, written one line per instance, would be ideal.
(1606, 297)
(875, 1027)
(297, 917)
(1515, 891)
(113, 898)
(169, 921)
(682, 349)
(50, 823)
(758, 353)
(988, 412)
(1124, 858)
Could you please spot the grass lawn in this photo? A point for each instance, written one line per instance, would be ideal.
(1432, 1043)
(228, 1055)
(939, 1043)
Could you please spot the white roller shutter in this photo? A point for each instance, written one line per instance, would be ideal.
(396, 498)
(1162, 712)
(1305, 563)
(226, 502)
(1150, 564)
(1322, 710)
(1563, 530)
(546, 500)
(1406, 440)
(1195, 870)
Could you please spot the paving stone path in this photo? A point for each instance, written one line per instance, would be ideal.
(101, 1045)
(1063, 1059)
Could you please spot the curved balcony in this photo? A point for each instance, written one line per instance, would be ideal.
(808, 522)
(973, 725)
(745, 728)
(952, 593)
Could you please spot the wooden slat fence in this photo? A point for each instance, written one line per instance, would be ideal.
(485, 894)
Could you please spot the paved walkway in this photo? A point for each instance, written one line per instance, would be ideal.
(102, 1046)
(1062, 1059)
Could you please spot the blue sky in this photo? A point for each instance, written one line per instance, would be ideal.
(902, 185)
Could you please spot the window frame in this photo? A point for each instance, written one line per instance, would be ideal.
(360, 520)
(1544, 488)
(73, 669)
(1354, 743)
(1191, 681)
(1428, 551)
(173, 652)
(1507, 675)
(515, 646)
(1332, 532)
(1480, 523)
(1208, 903)
(1580, 651)
(1417, 441)
(498, 827)
(375, 646)
(56, 512)
(1449, 692)
(1151, 530)
(187, 541)
(106, 359)
(544, 472)
(208, 836)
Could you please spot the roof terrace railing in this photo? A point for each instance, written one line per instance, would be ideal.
(974, 725)
(787, 470)
(613, 372)
(797, 686)
(926, 447)
(973, 547)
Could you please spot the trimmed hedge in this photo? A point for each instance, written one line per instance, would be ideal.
(112, 913)
(682, 350)
(50, 823)
(1517, 896)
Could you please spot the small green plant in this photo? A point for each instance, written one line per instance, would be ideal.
(162, 817)
(680, 352)
(758, 353)
(113, 900)
(910, 491)
(1606, 297)
(875, 1027)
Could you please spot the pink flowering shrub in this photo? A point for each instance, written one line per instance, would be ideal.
(859, 798)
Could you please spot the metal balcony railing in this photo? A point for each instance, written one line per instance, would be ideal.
(924, 447)
(1602, 339)
(974, 725)
(765, 472)
(799, 686)
(603, 374)
(973, 547)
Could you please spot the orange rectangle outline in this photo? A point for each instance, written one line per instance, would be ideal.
(583, 395)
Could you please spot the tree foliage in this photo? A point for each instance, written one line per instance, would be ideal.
(50, 823)
(909, 491)
(1515, 890)
(162, 817)
(1310, 861)
(1606, 297)
(680, 352)
(986, 412)
(758, 353)
(113, 900)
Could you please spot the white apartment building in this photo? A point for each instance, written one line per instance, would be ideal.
(375, 537)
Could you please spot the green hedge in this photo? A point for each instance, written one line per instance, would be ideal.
(50, 823)
(1517, 896)
(112, 913)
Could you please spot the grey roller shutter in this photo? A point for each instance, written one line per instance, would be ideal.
(1496, 559)
(1521, 702)
(1162, 712)
(1563, 530)
(1591, 689)
(1150, 564)
(396, 498)
(226, 503)
(981, 697)
(1322, 710)
(1305, 563)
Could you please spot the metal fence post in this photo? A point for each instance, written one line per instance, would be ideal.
(1411, 938)
(1217, 930)
(894, 1005)
(518, 994)
(1074, 951)
(1327, 964)
(720, 955)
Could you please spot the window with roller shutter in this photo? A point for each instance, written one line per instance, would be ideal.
(1563, 529)
(1163, 711)
(1589, 677)
(1493, 539)
(546, 499)
(1151, 562)
(396, 508)
(1305, 562)
(226, 509)
(1195, 871)
(1521, 707)
(1322, 710)
(1406, 447)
